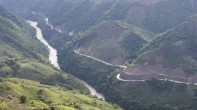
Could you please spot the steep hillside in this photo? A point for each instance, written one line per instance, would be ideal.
(172, 53)
(107, 38)
(18, 94)
(151, 95)
(115, 29)
(22, 55)
(75, 18)
(153, 15)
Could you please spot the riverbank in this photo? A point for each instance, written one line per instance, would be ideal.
(54, 60)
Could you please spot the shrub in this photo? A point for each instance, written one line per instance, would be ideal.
(23, 99)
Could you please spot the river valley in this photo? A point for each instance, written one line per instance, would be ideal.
(54, 59)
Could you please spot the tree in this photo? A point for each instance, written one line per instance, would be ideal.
(23, 99)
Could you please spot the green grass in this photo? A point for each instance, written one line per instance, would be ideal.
(43, 96)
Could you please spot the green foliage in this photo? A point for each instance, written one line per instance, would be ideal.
(158, 18)
(160, 85)
(22, 55)
(87, 69)
(49, 97)
(23, 99)
(12, 63)
(132, 44)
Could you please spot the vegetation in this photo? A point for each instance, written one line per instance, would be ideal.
(132, 44)
(176, 49)
(23, 56)
(23, 99)
(150, 95)
(156, 17)
(33, 95)
(173, 49)
(86, 69)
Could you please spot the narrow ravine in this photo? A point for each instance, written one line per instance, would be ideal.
(54, 60)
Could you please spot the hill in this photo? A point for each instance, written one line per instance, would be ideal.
(172, 53)
(107, 38)
(125, 24)
(152, 15)
(22, 55)
(20, 94)
(144, 18)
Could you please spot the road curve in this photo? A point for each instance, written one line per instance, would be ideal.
(124, 67)
(106, 63)
(118, 77)
(161, 79)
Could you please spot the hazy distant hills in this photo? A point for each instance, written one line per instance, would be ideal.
(158, 16)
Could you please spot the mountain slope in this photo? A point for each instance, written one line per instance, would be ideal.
(171, 53)
(78, 17)
(107, 38)
(152, 16)
(22, 55)
(38, 96)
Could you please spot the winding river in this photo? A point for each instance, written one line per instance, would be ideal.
(54, 60)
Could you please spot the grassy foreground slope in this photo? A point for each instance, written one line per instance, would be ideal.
(20, 94)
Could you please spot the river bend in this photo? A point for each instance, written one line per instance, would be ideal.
(54, 59)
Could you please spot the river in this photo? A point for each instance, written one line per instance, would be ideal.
(54, 59)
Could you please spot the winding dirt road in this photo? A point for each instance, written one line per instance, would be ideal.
(138, 80)
(106, 63)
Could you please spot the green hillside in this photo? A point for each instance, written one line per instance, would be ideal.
(171, 53)
(113, 30)
(79, 17)
(152, 15)
(19, 94)
(173, 50)
(23, 57)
